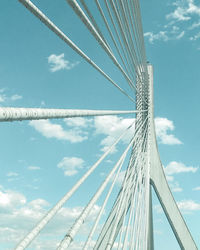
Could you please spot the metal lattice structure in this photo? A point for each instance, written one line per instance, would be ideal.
(129, 223)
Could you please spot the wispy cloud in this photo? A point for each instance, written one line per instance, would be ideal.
(71, 165)
(180, 35)
(78, 122)
(12, 174)
(173, 34)
(188, 205)
(194, 25)
(15, 97)
(57, 62)
(182, 20)
(195, 37)
(112, 127)
(53, 130)
(163, 126)
(4, 97)
(184, 9)
(178, 167)
(174, 185)
(161, 36)
(32, 168)
(196, 189)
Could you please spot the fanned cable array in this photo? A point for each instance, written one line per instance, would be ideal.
(122, 22)
(118, 32)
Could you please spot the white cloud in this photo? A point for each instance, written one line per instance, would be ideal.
(78, 122)
(175, 29)
(113, 127)
(57, 62)
(71, 165)
(2, 98)
(179, 14)
(188, 205)
(161, 35)
(2, 90)
(175, 187)
(33, 168)
(163, 125)
(169, 178)
(109, 126)
(178, 167)
(179, 36)
(12, 174)
(15, 97)
(184, 9)
(196, 189)
(5, 98)
(194, 25)
(10, 199)
(17, 218)
(195, 37)
(173, 34)
(52, 130)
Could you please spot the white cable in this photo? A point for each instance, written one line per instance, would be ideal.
(73, 230)
(30, 6)
(35, 231)
(87, 244)
(19, 114)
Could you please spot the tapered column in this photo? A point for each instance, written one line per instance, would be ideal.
(161, 187)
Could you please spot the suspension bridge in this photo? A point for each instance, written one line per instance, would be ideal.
(129, 224)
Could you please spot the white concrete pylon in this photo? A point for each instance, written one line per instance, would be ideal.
(160, 185)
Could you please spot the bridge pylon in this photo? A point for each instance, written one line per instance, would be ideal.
(160, 184)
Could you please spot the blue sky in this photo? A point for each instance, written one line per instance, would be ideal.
(41, 160)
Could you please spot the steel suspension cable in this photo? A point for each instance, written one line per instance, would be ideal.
(131, 58)
(133, 183)
(132, 28)
(19, 114)
(138, 164)
(30, 6)
(73, 230)
(35, 231)
(132, 239)
(93, 21)
(137, 224)
(139, 31)
(125, 41)
(123, 29)
(121, 12)
(75, 6)
(117, 203)
(102, 208)
(125, 52)
(128, 70)
(118, 214)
